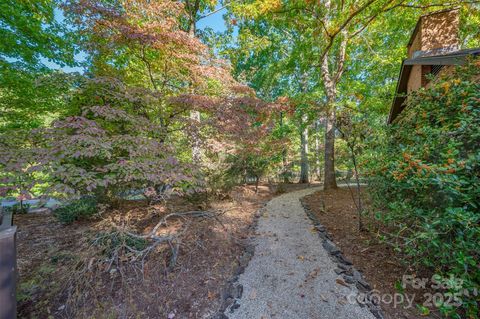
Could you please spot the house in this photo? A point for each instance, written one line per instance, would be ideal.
(434, 47)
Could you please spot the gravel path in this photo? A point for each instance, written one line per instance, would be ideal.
(291, 275)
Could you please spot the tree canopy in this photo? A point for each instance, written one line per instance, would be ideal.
(293, 90)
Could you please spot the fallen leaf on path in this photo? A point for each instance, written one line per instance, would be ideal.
(313, 274)
(341, 282)
(253, 294)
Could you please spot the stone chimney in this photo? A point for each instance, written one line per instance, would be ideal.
(435, 34)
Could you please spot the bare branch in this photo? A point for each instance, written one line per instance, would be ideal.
(163, 221)
(149, 68)
(344, 25)
(370, 20)
(213, 12)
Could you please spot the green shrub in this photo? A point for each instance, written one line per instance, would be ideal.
(18, 208)
(426, 181)
(77, 209)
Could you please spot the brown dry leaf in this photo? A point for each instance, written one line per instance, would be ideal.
(253, 294)
(313, 274)
(341, 282)
(301, 257)
(211, 295)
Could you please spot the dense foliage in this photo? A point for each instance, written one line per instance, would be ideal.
(291, 91)
(126, 124)
(83, 207)
(426, 179)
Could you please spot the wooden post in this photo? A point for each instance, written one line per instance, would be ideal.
(8, 267)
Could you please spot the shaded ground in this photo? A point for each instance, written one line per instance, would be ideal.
(382, 267)
(64, 275)
(291, 275)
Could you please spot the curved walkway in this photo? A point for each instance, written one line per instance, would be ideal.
(291, 275)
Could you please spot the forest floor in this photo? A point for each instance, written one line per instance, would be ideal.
(64, 273)
(382, 266)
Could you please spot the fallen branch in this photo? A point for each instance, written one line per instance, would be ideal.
(163, 221)
(124, 237)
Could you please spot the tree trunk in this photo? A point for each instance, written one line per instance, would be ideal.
(195, 115)
(304, 152)
(284, 174)
(317, 150)
(196, 151)
(329, 181)
(330, 81)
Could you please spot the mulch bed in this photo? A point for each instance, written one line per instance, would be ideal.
(382, 267)
(62, 275)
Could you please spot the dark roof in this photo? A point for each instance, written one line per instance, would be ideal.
(453, 58)
(417, 26)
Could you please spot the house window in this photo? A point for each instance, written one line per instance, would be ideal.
(436, 69)
(429, 72)
(426, 71)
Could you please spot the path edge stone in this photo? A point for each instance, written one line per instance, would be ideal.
(233, 290)
(350, 275)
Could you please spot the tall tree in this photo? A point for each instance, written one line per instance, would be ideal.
(143, 44)
(270, 58)
(324, 31)
(193, 9)
(197, 10)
